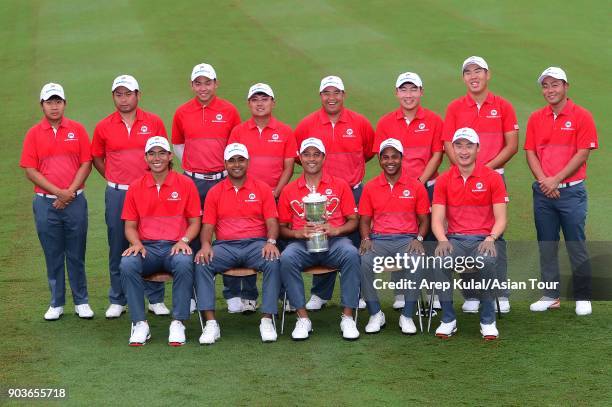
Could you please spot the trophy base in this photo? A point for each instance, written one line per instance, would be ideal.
(318, 250)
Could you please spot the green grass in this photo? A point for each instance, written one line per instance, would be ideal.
(549, 359)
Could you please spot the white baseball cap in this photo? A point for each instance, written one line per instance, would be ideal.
(312, 142)
(553, 72)
(157, 141)
(391, 142)
(408, 77)
(51, 89)
(334, 81)
(235, 149)
(203, 70)
(127, 81)
(260, 88)
(476, 61)
(466, 133)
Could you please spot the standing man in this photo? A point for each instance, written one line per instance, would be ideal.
(200, 132)
(117, 145)
(162, 215)
(241, 212)
(394, 218)
(348, 138)
(420, 131)
(494, 120)
(471, 198)
(56, 157)
(559, 139)
(341, 255)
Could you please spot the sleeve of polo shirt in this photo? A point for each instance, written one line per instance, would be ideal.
(440, 194)
(29, 157)
(177, 136)
(285, 214)
(233, 137)
(530, 137)
(450, 126)
(509, 117)
(211, 203)
(84, 144)
(291, 145)
(586, 134)
(98, 143)
(437, 144)
(268, 203)
(347, 201)
(130, 211)
(365, 202)
(422, 204)
(368, 138)
(193, 208)
(498, 190)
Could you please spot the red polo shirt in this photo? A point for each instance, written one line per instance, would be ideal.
(420, 139)
(204, 131)
(267, 148)
(332, 187)
(123, 151)
(56, 156)
(469, 204)
(348, 143)
(242, 213)
(163, 214)
(556, 140)
(495, 117)
(394, 208)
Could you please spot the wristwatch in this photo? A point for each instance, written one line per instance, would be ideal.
(185, 239)
(419, 238)
(271, 241)
(493, 236)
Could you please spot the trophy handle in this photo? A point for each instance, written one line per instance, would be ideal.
(300, 205)
(331, 201)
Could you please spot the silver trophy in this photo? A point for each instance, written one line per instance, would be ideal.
(314, 209)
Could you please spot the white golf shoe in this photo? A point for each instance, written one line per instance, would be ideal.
(399, 302)
(349, 328)
(212, 332)
(407, 325)
(115, 311)
(159, 308)
(583, 307)
(84, 311)
(234, 305)
(446, 329)
(362, 304)
(504, 305)
(489, 331)
(177, 334)
(375, 323)
(315, 303)
(54, 313)
(302, 329)
(249, 306)
(140, 333)
(470, 306)
(545, 303)
(267, 330)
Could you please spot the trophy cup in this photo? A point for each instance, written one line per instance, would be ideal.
(314, 209)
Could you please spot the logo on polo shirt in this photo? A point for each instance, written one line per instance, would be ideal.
(219, 118)
(144, 129)
(70, 137)
(479, 187)
(493, 114)
(349, 133)
(275, 136)
(252, 198)
(568, 126)
(406, 194)
(328, 191)
(174, 196)
(275, 139)
(422, 126)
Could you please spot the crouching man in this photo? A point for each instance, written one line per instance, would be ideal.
(472, 198)
(162, 215)
(241, 211)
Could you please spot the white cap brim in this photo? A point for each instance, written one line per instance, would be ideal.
(157, 141)
(312, 142)
(234, 149)
(391, 142)
(127, 81)
(334, 81)
(475, 60)
(205, 70)
(553, 72)
(260, 88)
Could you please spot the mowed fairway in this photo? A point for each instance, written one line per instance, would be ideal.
(553, 358)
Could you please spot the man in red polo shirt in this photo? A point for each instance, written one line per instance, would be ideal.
(348, 138)
(394, 219)
(494, 120)
(420, 132)
(271, 143)
(471, 198)
(241, 212)
(56, 157)
(341, 255)
(118, 141)
(200, 132)
(559, 139)
(162, 215)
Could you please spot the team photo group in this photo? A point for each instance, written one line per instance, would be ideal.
(237, 206)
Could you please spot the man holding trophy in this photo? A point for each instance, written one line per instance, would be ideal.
(316, 212)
